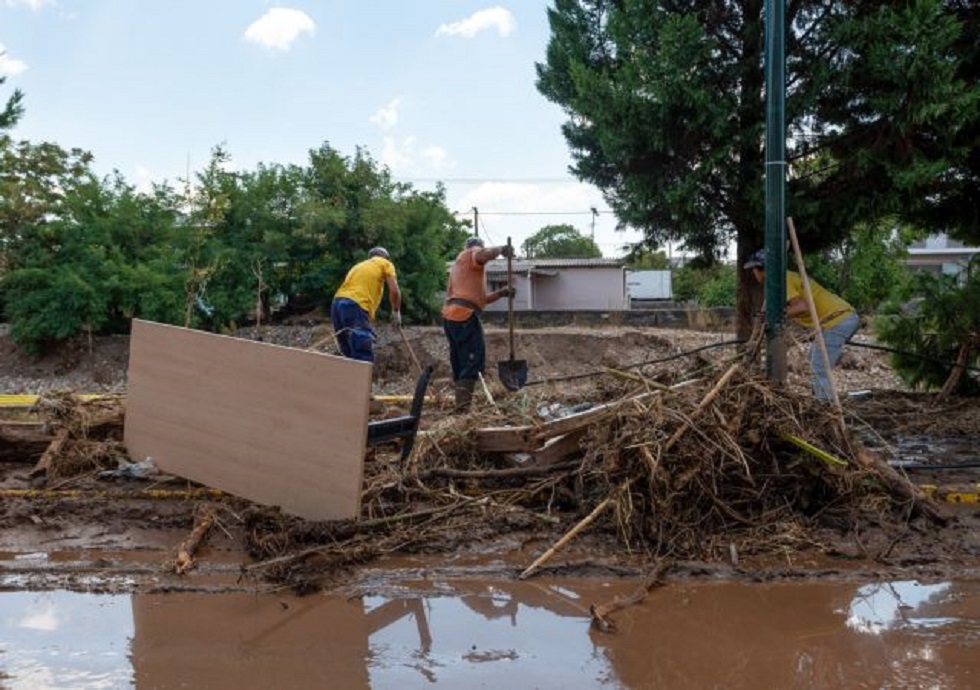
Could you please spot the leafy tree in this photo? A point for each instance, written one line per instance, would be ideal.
(293, 232)
(939, 321)
(560, 241)
(36, 181)
(13, 110)
(709, 285)
(99, 256)
(719, 289)
(868, 267)
(899, 121)
(666, 113)
(357, 206)
(641, 259)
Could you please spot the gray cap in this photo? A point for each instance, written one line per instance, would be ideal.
(756, 260)
(379, 251)
(474, 242)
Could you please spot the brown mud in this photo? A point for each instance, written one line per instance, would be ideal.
(750, 508)
(490, 633)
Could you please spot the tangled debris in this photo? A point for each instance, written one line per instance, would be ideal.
(710, 464)
(706, 470)
(87, 434)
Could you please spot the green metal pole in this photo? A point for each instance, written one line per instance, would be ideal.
(775, 284)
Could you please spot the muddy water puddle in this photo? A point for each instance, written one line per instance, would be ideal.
(491, 634)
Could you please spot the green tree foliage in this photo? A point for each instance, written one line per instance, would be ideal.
(12, 110)
(939, 321)
(641, 259)
(291, 233)
(84, 255)
(898, 119)
(560, 241)
(866, 268)
(666, 113)
(707, 284)
(720, 287)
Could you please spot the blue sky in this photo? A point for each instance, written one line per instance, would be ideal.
(434, 89)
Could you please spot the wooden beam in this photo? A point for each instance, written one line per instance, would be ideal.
(514, 439)
(557, 449)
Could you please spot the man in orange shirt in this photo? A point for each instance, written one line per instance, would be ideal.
(466, 296)
(356, 302)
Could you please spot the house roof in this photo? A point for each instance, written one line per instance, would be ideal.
(525, 265)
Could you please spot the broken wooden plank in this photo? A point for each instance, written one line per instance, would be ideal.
(513, 439)
(525, 439)
(557, 449)
(275, 425)
(53, 449)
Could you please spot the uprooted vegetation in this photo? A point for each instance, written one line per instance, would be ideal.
(711, 464)
(661, 471)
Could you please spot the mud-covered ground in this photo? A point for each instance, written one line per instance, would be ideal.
(92, 532)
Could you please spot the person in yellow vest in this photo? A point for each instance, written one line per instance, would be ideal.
(466, 296)
(356, 302)
(838, 320)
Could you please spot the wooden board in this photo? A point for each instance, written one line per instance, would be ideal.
(272, 424)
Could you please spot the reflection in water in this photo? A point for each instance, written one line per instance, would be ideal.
(885, 605)
(64, 640)
(462, 634)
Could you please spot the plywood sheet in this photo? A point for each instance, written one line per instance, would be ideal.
(272, 424)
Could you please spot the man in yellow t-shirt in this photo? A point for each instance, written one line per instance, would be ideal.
(356, 302)
(838, 320)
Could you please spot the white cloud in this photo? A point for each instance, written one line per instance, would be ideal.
(437, 157)
(144, 180)
(387, 116)
(497, 18)
(8, 65)
(404, 157)
(399, 156)
(43, 618)
(32, 4)
(279, 27)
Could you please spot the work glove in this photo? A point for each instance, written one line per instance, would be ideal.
(508, 292)
(396, 318)
(507, 251)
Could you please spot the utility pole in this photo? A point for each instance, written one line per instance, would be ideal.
(594, 214)
(476, 222)
(775, 283)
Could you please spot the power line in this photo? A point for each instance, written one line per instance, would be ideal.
(482, 180)
(540, 213)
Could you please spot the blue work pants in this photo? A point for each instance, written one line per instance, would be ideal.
(352, 328)
(467, 349)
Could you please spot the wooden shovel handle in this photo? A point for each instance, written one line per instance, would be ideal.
(510, 298)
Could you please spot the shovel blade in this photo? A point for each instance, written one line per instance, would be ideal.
(512, 373)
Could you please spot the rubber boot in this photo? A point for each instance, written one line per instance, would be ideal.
(464, 395)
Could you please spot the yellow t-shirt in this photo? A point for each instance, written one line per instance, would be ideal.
(365, 283)
(831, 309)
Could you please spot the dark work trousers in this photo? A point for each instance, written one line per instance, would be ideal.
(467, 351)
(352, 328)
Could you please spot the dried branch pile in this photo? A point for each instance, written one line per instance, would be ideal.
(84, 435)
(706, 472)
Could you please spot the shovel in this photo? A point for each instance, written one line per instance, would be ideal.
(513, 372)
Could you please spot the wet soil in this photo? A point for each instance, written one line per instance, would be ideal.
(84, 533)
